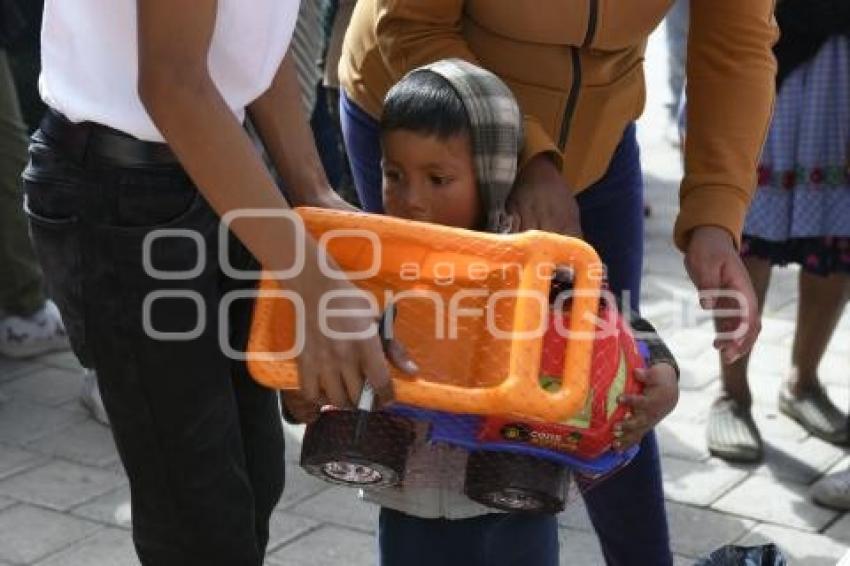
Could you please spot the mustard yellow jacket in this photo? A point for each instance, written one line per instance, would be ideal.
(576, 68)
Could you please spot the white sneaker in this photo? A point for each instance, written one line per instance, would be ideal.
(34, 335)
(91, 399)
(833, 490)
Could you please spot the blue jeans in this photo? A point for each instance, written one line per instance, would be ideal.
(627, 511)
(491, 540)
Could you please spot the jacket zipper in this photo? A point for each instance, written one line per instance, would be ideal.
(591, 23)
(572, 99)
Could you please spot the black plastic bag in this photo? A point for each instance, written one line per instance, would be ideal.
(767, 555)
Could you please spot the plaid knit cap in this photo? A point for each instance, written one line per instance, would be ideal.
(496, 132)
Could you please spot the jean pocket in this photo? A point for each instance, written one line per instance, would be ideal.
(56, 241)
(141, 201)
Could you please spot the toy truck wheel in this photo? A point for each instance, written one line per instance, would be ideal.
(357, 448)
(515, 482)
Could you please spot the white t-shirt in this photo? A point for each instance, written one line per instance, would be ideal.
(90, 58)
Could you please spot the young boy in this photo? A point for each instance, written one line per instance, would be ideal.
(451, 135)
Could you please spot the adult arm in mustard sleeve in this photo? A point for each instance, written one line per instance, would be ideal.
(731, 88)
(412, 33)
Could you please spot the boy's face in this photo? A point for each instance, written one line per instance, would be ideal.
(430, 179)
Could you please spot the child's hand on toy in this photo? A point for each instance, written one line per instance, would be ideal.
(659, 398)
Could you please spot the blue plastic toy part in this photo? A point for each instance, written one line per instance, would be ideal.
(462, 431)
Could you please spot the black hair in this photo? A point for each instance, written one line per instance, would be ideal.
(426, 103)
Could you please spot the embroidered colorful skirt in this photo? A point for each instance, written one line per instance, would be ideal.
(801, 210)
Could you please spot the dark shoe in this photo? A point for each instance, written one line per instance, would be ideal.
(816, 413)
(732, 434)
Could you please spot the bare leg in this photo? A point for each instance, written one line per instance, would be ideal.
(802, 398)
(734, 377)
(731, 433)
(821, 304)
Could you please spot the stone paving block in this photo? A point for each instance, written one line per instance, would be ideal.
(117, 467)
(693, 407)
(88, 443)
(799, 462)
(578, 547)
(111, 508)
(286, 527)
(75, 407)
(300, 485)
(109, 547)
(838, 390)
(293, 434)
(666, 265)
(781, 307)
(834, 368)
(6, 502)
(775, 331)
(840, 530)
(660, 313)
(698, 483)
(694, 531)
(59, 485)
(844, 323)
(13, 369)
(339, 506)
(574, 516)
(63, 360)
(771, 501)
(22, 422)
(836, 353)
(771, 359)
(774, 425)
(328, 546)
(681, 560)
(698, 532)
(682, 440)
(14, 460)
(842, 466)
(701, 371)
(801, 548)
(688, 343)
(50, 386)
(28, 533)
(765, 387)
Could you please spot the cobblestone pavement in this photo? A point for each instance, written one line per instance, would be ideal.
(64, 498)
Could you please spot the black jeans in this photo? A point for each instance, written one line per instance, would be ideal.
(201, 442)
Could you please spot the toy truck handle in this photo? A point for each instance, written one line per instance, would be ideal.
(520, 393)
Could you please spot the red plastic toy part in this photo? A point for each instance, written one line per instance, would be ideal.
(590, 433)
